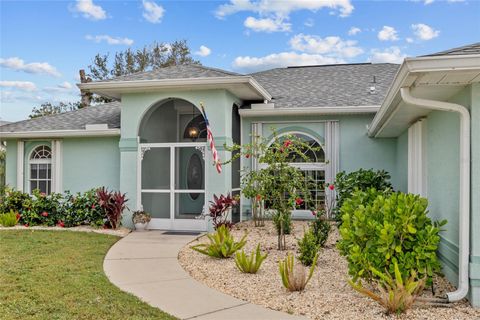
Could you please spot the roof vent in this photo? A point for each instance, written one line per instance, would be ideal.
(373, 90)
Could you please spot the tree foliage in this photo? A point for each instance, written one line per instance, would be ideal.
(49, 108)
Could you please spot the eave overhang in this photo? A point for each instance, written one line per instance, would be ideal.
(59, 134)
(308, 111)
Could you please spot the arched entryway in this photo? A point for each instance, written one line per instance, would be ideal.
(171, 165)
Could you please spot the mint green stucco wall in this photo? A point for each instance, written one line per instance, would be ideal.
(218, 105)
(401, 175)
(11, 164)
(91, 162)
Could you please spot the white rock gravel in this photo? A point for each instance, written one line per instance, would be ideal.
(327, 295)
(119, 232)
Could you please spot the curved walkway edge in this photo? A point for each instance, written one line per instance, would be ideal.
(146, 265)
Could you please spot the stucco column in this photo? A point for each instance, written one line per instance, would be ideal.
(128, 176)
(475, 198)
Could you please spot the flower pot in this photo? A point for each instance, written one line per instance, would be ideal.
(141, 226)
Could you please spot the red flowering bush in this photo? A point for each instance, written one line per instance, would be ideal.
(219, 208)
(113, 204)
(82, 209)
(41, 209)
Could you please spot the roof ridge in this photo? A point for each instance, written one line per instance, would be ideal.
(230, 73)
(475, 44)
(84, 109)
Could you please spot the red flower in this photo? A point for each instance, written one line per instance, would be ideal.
(299, 201)
(247, 155)
(93, 206)
(314, 212)
(44, 214)
(287, 143)
(61, 224)
(331, 187)
(259, 197)
(43, 194)
(18, 215)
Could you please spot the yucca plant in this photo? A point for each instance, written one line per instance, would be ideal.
(222, 244)
(249, 263)
(395, 294)
(293, 275)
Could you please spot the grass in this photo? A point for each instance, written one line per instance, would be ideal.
(59, 275)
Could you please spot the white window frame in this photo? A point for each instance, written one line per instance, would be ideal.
(34, 161)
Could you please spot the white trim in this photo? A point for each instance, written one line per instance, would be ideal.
(417, 173)
(308, 111)
(190, 83)
(49, 161)
(61, 133)
(57, 161)
(20, 164)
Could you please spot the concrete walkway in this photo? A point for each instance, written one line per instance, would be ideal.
(146, 265)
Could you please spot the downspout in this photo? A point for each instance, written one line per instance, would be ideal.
(464, 208)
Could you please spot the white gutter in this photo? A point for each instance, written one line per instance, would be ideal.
(307, 111)
(464, 211)
(60, 134)
(175, 83)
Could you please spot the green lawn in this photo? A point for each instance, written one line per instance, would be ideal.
(59, 275)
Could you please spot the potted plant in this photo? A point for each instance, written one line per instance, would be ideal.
(141, 219)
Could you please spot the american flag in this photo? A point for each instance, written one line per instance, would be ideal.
(216, 160)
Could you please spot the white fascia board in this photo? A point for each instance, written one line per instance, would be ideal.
(174, 83)
(307, 111)
(60, 134)
(412, 67)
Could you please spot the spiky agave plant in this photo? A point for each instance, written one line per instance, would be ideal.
(293, 275)
(249, 263)
(395, 294)
(222, 244)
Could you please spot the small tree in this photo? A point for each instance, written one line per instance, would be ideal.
(279, 185)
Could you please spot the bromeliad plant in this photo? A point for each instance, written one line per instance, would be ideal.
(279, 185)
(113, 204)
(293, 275)
(219, 209)
(397, 294)
(249, 263)
(222, 244)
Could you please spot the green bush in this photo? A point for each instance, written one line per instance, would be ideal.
(12, 199)
(249, 263)
(82, 209)
(320, 228)
(9, 219)
(287, 222)
(222, 244)
(390, 229)
(308, 248)
(347, 183)
(42, 209)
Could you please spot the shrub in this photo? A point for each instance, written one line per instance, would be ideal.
(9, 219)
(41, 209)
(222, 244)
(293, 275)
(249, 263)
(82, 209)
(396, 294)
(13, 200)
(219, 208)
(141, 216)
(308, 248)
(347, 183)
(391, 229)
(113, 204)
(320, 228)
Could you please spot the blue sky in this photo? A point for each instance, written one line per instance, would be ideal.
(44, 44)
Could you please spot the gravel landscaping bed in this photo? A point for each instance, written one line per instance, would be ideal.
(327, 295)
(119, 232)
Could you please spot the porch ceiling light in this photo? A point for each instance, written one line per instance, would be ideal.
(192, 130)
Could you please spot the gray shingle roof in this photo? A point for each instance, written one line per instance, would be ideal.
(473, 48)
(108, 113)
(328, 85)
(176, 72)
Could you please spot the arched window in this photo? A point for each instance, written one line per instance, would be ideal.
(314, 170)
(40, 163)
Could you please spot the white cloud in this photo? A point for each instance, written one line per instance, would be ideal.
(110, 40)
(282, 59)
(427, 2)
(424, 32)
(282, 8)
(203, 51)
(152, 12)
(65, 85)
(333, 46)
(267, 24)
(409, 40)
(389, 55)
(354, 31)
(21, 85)
(309, 23)
(18, 64)
(388, 34)
(90, 10)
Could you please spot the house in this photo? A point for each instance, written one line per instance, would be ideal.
(420, 121)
